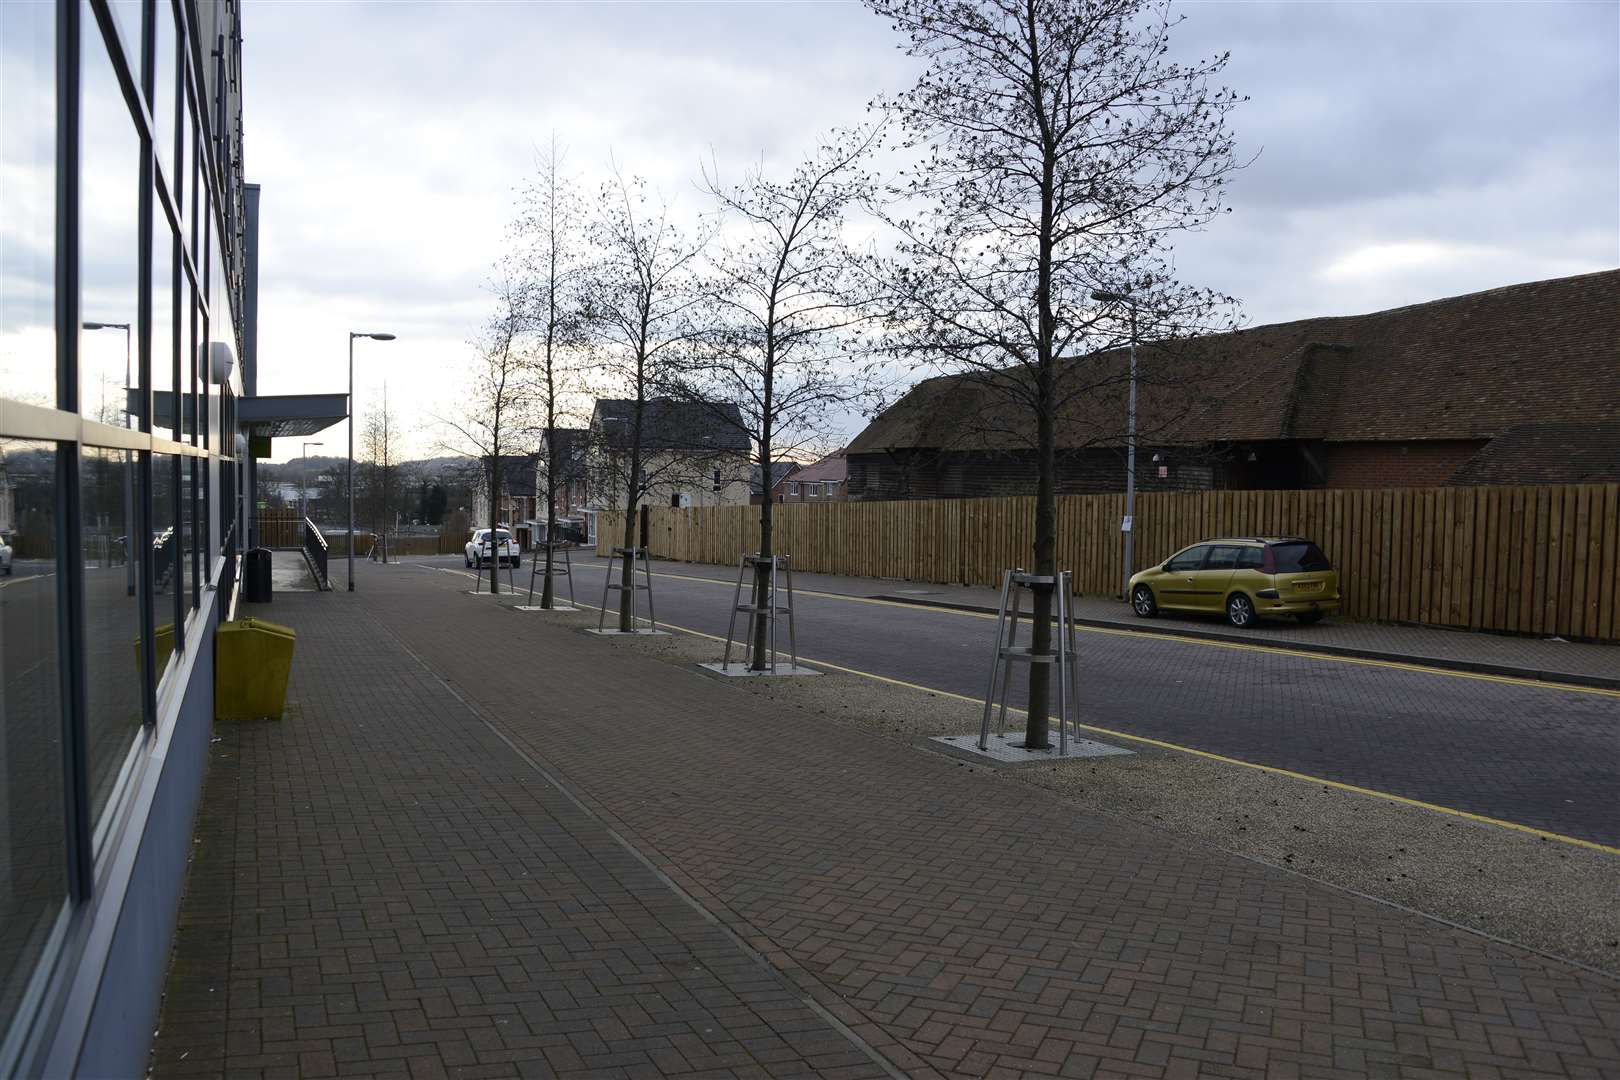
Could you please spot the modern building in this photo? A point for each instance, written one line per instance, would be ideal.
(127, 369)
(1509, 386)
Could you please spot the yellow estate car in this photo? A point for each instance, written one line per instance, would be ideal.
(1247, 577)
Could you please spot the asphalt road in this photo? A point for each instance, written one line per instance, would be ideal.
(1537, 755)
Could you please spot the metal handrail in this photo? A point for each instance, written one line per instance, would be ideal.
(315, 551)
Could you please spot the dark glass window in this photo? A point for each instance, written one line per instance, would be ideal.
(1223, 557)
(110, 236)
(28, 226)
(1189, 560)
(163, 320)
(33, 828)
(1250, 558)
(127, 14)
(1299, 557)
(190, 507)
(168, 580)
(110, 490)
(164, 87)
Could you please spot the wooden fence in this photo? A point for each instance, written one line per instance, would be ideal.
(1535, 560)
(285, 529)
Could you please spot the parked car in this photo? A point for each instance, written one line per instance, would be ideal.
(5, 554)
(1247, 578)
(478, 548)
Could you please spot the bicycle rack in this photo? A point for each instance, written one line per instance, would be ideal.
(565, 570)
(1008, 652)
(609, 585)
(767, 610)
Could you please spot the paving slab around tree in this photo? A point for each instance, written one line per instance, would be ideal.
(382, 880)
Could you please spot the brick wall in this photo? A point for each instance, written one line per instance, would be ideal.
(1396, 464)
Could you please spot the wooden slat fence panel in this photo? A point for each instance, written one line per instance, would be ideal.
(1542, 560)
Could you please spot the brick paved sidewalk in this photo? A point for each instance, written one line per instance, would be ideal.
(1500, 653)
(397, 875)
(381, 886)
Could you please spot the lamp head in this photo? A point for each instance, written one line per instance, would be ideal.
(373, 337)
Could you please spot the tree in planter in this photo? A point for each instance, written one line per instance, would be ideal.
(498, 399)
(549, 227)
(779, 343)
(638, 310)
(1059, 151)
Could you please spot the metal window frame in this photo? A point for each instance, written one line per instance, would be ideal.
(53, 994)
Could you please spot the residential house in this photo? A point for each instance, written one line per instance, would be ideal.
(1519, 384)
(782, 471)
(516, 502)
(693, 453)
(824, 481)
(573, 489)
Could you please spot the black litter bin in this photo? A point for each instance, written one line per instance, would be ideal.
(256, 576)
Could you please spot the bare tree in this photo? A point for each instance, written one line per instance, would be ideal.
(549, 228)
(379, 470)
(639, 310)
(1059, 151)
(783, 299)
(497, 401)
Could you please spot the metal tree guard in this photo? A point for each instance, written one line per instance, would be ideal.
(609, 585)
(757, 610)
(494, 569)
(566, 570)
(1008, 651)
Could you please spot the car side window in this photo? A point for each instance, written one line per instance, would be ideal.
(1223, 557)
(1191, 559)
(1250, 558)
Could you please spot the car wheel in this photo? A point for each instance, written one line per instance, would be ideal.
(1142, 602)
(1240, 610)
(1309, 618)
(467, 561)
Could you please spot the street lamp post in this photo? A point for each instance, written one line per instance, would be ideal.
(375, 337)
(303, 486)
(1128, 526)
(129, 461)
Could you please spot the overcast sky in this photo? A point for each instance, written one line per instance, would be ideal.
(1407, 151)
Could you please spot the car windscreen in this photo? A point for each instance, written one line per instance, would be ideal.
(1301, 557)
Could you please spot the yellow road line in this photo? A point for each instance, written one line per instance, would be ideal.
(1242, 646)
(1529, 830)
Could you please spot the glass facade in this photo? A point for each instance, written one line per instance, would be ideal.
(33, 810)
(118, 265)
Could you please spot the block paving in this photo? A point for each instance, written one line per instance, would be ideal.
(385, 886)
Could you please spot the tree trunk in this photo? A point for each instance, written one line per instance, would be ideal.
(494, 519)
(762, 570)
(1040, 682)
(547, 593)
(1040, 675)
(627, 573)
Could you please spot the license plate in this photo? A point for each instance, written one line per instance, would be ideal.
(1308, 586)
